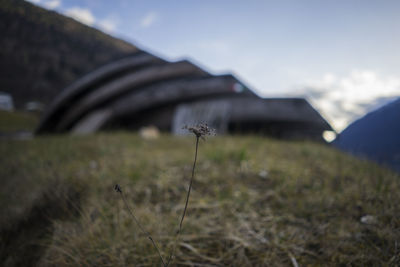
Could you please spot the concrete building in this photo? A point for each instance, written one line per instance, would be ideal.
(145, 90)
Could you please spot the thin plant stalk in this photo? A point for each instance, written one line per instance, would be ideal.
(186, 203)
(199, 131)
(118, 189)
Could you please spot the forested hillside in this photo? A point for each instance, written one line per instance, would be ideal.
(43, 51)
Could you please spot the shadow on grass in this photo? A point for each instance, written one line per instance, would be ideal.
(24, 240)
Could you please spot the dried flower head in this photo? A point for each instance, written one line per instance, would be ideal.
(117, 188)
(200, 130)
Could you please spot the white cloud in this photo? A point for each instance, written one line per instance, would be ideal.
(109, 24)
(83, 15)
(34, 1)
(52, 4)
(148, 20)
(344, 99)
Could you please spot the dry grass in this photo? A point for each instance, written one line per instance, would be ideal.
(255, 202)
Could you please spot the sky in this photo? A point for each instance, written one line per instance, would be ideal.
(342, 55)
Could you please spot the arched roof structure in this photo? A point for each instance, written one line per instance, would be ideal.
(146, 90)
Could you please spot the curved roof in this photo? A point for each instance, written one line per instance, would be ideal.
(145, 84)
(157, 95)
(125, 84)
(79, 88)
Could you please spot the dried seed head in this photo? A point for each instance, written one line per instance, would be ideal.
(117, 188)
(200, 130)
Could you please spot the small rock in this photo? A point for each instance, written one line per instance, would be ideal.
(150, 132)
(368, 219)
(263, 174)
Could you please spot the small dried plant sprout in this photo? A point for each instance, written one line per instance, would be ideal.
(200, 131)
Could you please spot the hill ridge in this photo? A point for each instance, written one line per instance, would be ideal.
(49, 50)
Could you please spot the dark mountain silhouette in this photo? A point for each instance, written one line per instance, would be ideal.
(41, 51)
(376, 136)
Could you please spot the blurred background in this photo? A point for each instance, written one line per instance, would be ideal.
(342, 55)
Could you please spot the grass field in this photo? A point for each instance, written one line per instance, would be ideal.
(17, 121)
(255, 202)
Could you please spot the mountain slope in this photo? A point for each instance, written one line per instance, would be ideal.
(43, 51)
(375, 136)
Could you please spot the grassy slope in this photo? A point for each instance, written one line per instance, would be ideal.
(17, 121)
(307, 208)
